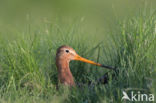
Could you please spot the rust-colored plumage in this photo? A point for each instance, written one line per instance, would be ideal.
(63, 56)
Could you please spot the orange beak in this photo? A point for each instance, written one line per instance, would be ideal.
(79, 58)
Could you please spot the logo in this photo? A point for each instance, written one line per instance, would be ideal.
(137, 96)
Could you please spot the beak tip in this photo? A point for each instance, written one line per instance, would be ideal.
(108, 67)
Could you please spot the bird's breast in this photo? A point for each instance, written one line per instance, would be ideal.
(66, 78)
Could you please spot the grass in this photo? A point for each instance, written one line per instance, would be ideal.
(27, 62)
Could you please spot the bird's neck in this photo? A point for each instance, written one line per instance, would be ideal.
(64, 74)
(63, 66)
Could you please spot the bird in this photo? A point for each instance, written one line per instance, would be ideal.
(64, 55)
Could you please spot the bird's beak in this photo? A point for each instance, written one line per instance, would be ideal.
(79, 58)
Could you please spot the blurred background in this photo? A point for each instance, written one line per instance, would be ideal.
(95, 15)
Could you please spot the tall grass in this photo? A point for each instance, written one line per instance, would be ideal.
(28, 72)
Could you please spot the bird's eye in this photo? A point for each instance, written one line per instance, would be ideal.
(67, 51)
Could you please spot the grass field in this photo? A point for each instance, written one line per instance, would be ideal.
(27, 59)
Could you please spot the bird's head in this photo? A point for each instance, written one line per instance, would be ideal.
(67, 53)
